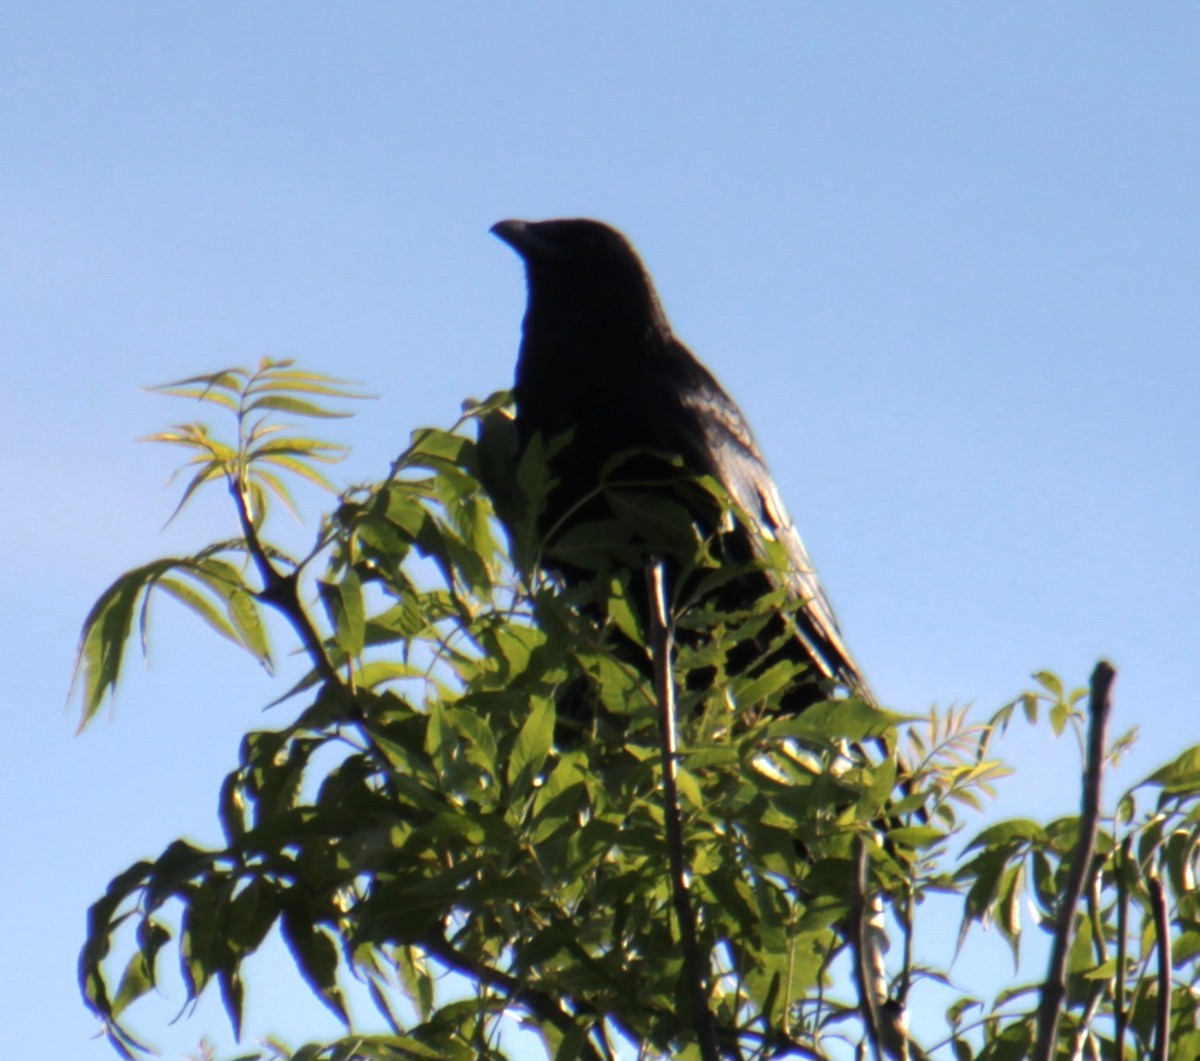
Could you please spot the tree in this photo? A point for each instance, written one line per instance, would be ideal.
(474, 780)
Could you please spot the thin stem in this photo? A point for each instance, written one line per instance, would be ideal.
(1162, 944)
(282, 592)
(1054, 988)
(863, 973)
(693, 959)
(906, 970)
(541, 1004)
(1121, 1016)
(1094, 913)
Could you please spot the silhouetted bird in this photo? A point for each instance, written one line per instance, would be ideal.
(598, 358)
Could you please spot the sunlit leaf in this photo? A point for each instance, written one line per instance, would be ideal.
(296, 406)
(344, 604)
(531, 747)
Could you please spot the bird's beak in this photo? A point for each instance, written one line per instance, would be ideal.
(524, 238)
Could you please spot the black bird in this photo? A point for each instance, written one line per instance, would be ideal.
(598, 358)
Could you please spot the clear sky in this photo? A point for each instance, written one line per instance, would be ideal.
(944, 255)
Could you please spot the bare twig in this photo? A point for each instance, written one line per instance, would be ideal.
(1099, 944)
(1162, 944)
(907, 927)
(694, 963)
(1054, 988)
(1121, 1014)
(864, 974)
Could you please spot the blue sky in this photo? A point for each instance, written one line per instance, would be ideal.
(945, 256)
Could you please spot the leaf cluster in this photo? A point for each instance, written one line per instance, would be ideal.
(471, 783)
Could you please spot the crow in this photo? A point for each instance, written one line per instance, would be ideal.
(598, 359)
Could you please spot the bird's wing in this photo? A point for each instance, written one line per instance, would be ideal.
(724, 446)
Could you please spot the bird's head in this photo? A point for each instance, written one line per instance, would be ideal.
(585, 270)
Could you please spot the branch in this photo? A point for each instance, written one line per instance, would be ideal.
(864, 975)
(1121, 1016)
(1162, 943)
(282, 592)
(1054, 988)
(664, 687)
(279, 590)
(539, 1003)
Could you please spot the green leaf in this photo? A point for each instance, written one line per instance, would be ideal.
(531, 748)
(595, 545)
(660, 521)
(106, 632)
(1008, 906)
(621, 611)
(444, 447)
(305, 383)
(210, 471)
(201, 606)
(774, 679)
(1060, 715)
(1180, 776)
(1005, 832)
(278, 489)
(1029, 704)
(297, 467)
(316, 957)
(1052, 683)
(440, 740)
(916, 837)
(343, 602)
(297, 406)
(832, 720)
(573, 1042)
(987, 869)
(476, 730)
(689, 788)
(139, 975)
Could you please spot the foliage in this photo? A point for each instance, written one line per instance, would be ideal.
(471, 782)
